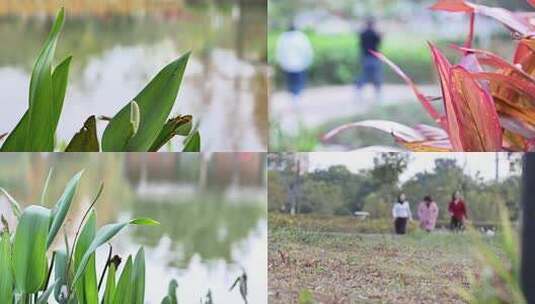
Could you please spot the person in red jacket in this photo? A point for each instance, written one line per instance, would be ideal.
(458, 213)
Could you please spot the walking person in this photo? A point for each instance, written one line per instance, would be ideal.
(371, 67)
(401, 212)
(458, 212)
(294, 54)
(428, 213)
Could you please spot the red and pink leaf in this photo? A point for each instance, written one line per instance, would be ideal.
(421, 97)
(475, 110)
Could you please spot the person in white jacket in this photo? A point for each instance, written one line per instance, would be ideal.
(401, 212)
(294, 55)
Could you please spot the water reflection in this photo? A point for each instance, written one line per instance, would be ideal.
(212, 210)
(115, 56)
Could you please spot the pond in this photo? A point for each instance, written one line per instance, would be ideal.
(213, 218)
(115, 55)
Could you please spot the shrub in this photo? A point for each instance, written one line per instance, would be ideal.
(483, 110)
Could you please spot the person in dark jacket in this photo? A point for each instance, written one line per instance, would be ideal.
(458, 213)
(371, 67)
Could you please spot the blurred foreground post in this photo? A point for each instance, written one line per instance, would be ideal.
(528, 230)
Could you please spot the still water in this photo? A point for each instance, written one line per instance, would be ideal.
(114, 56)
(211, 209)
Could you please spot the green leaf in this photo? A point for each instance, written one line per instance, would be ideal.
(138, 278)
(14, 204)
(180, 125)
(123, 293)
(6, 271)
(16, 140)
(62, 207)
(171, 293)
(29, 249)
(104, 234)
(59, 84)
(109, 292)
(144, 221)
(60, 273)
(43, 102)
(193, 143)
(86, 288)
(155, 103)
(86, 139)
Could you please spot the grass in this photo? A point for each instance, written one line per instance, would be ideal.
(315, 263)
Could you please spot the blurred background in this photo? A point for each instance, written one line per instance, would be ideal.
(330, 99)
(211, 209)
(119, 45)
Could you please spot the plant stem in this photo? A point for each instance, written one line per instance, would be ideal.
(108, 261)
(50, 270)
(80, 226)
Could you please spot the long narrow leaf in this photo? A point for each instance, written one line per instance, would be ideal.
(155, 103)
(138, 278)
(29, 249)
(42, 106)
(123, 292)
(86, 288)
(109, 292)
(62, 207)
(6, 269)
(104, 234)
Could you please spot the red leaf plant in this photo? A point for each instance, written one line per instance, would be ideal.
(489, 103)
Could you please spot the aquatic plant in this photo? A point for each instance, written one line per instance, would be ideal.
(25, 269)
(491, 109)
(143, 124)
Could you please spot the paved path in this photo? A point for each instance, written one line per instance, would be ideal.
(322, 104)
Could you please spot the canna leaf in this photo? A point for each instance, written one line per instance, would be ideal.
(424, 100)
(14, 204)
(86, 288)
(43, 104)
(155, 103)
(138, 278)
(180, 125)
(29, 249)
(104, 234)
(86, 139)
(453, 125)
(109, 292)
(6, 269)
(62, 207)
(123, 292)
(61, 275)
(503, 16)
(476, 113)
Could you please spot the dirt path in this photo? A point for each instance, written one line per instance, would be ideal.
(321, 104)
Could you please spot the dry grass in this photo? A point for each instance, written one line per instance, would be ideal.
(313, 266)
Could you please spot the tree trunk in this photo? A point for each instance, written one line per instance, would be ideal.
(528, 230)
